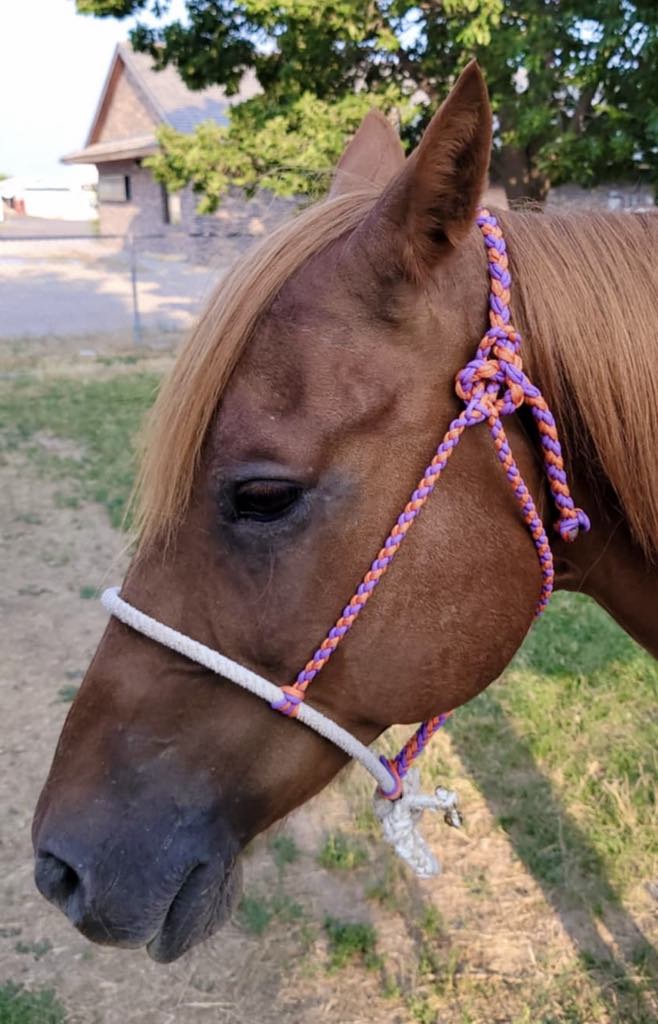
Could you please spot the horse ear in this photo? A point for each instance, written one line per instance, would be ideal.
(374, 155)
(433, 201)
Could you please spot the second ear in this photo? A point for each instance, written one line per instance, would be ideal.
(373, 157)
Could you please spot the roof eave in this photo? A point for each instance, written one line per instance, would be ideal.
(124, 150)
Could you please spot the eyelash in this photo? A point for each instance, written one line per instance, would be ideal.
(264, 500)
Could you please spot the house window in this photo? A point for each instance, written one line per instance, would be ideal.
(114, 188)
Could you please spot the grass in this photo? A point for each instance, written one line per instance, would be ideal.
(101, 417)
(254, 914)
(341, 853)
(284, 851)
(349, 940)
(567, 750)
(35, 949)
(257, 912)
(20, 1006)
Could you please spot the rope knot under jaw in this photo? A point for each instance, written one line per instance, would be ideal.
(396, 780)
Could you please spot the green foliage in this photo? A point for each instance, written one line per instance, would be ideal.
(340, 853)
(285, 908)
(574, 83)
(19, 1006)
(421, 1010)
(349, 940)
(111, 8)
(288, 149)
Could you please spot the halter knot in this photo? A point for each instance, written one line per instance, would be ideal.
(493, 382)
(289, 704)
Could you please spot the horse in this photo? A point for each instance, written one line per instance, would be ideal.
(291, 430)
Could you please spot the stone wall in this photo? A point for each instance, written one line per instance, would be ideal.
(221, 237)
(237, 223)
(143, 213)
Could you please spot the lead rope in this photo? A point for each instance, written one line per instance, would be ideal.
(491, 386)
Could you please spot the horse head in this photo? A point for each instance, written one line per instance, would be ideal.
(296, 422)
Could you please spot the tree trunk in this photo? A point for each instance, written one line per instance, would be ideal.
(524, 184)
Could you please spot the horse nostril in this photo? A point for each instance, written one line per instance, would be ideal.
(55, 879)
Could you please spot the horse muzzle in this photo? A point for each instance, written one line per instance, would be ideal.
(161, 881)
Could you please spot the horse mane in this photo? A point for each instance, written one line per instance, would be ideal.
(175, 429)
(585, 297)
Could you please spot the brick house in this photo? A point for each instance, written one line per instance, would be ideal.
(134, 101)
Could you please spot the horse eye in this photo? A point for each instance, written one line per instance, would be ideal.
(264, 500)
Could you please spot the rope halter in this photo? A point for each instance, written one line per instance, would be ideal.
(491, 386)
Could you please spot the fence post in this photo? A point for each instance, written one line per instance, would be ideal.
(137, 323)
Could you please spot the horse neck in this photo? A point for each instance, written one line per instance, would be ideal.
(608, 565)
(591, 347)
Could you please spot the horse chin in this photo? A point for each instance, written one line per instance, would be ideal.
(202, 905)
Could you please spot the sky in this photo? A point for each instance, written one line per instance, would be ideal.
(52, 68)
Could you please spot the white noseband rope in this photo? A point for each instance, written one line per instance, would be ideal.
(244, 677)
(398, 817)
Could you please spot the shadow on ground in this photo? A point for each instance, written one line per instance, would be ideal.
(556, 851)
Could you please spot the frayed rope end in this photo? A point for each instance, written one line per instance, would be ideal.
(400, 819)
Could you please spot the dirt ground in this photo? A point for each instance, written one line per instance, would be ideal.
(487, 923)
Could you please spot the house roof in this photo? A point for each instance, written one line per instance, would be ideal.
(167, 99)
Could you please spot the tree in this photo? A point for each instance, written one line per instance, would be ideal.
(290, 151)
(574, 83)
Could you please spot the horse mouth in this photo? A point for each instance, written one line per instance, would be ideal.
(201, 906)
